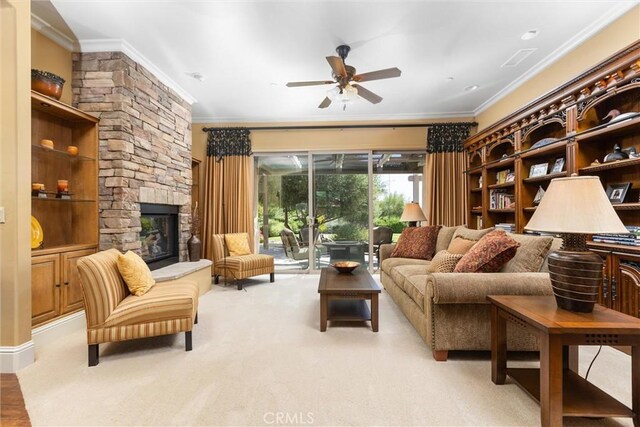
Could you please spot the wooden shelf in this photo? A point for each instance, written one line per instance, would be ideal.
(59, 109)
(476, 211)
(543, 178)
(614, 247)
(476, 190)
(556, 147)
(62, 248)
(503, 185)
(627, 207)
(474, 171)
(530, 209)
(497, 164)
(54, 199)
(506, 210)
(580, 398)
(607, 166)
(610, 130)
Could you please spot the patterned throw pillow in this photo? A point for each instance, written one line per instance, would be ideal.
(460, 245)
(417, 242)
(136, 273)
(491, 252)
(237, 244)
(444, 262)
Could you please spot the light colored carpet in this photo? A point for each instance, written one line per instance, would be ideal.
(259, 359)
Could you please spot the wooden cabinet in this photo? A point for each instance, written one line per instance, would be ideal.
(55, 285)
(69, 222)
(565, 132)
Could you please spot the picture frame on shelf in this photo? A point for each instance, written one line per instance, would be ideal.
(539, 169)
(511, 176)
(558, 165)
(617, 192)
(538, 197)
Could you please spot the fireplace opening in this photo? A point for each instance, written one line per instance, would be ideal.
(159, 235)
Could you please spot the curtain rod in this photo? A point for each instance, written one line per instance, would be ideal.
(380, 126)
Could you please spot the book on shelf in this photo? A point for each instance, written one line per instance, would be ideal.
(506, 226)
(479, 223)
(500, 199)
(630, 239)
(502, 176)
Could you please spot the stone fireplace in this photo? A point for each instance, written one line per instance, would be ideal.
(145, 146)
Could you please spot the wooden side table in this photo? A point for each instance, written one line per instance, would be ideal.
(557, 385)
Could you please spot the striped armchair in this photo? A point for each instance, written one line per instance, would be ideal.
(240, 266)
(113, 314)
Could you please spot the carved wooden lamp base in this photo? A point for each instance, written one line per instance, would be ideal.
(576, 274)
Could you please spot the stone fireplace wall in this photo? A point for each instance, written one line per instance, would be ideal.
(145, 144)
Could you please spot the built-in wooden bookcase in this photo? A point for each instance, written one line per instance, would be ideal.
(575, 131)
(70, 224)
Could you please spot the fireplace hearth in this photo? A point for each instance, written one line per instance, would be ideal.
(159, 237)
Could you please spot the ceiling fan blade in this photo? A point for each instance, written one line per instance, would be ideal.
(325, 103)
(337, 65)
(368, 95)
(315, 83)
(377, 75)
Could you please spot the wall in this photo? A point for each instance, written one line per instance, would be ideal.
(145, 144)
(621, 33)
(49, 56)
(15, 177)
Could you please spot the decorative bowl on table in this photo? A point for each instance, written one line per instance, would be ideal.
(345, 266)
(47, 83)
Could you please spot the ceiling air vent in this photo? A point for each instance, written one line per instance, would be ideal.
(518, 57)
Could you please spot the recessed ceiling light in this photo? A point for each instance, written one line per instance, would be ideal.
(471, 88)
(529, 35)
(449, 79)
(198, 76)
(273, 84)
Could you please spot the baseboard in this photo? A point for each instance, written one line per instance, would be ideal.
(14, 358)
(59, 328)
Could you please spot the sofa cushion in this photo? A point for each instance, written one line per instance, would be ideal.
(417, 242)
(401, 273)
(460, 245)
(489, 254)
(444, 262)
(470, 234)
(444, 237)
(135, 272)
(390, 263)
(414, 287)
(530, 254)
(237, 244)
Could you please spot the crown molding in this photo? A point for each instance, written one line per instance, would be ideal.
(352, 118)
(121, 45)
(606, 19)
(53, 34)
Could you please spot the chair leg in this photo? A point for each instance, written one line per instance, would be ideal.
(94, 357)
(239, 285)
(188, 346)
(440, 355)
(195, 321)
(216, 279)
(272, 277)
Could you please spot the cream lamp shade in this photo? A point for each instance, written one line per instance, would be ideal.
(412, 213)
(576, 204)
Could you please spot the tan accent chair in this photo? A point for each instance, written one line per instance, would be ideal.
(240, 266)
(114, 314)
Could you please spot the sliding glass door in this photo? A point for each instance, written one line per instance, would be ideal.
(314, 209)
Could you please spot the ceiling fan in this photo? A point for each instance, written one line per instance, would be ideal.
(343, 75)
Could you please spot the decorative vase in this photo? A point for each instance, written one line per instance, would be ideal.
(47, 83)
(194, 245)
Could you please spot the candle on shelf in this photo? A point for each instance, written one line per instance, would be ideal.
(63, 186)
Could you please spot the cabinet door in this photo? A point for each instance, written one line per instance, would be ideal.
(628, 285)
(45, 288)
(71, 289)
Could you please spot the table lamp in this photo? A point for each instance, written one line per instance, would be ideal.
(412, 213)
(574, 207)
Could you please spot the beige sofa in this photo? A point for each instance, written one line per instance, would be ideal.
(450, 310)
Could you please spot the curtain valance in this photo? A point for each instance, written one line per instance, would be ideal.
(222, 142)
(448, 137)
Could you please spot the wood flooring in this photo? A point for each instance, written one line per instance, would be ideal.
(12, 410)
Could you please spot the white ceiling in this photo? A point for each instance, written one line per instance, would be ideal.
(248, 50)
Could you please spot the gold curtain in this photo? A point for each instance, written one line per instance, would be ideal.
(238, 199)
(447, 201)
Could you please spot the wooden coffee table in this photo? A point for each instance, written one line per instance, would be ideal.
(343, 297)
(557, 385)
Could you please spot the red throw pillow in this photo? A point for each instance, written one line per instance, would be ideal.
(491, 252)
(417, 242)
